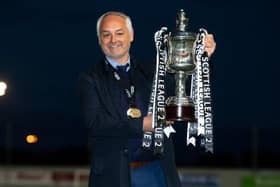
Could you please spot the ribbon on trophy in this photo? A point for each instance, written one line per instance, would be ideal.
(201, 95)
(156, 106)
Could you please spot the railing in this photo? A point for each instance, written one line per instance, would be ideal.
(29, 176)
(190, 177)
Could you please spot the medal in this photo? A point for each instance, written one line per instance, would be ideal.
(133, 113)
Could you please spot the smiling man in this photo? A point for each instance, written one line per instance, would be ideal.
(110, 90)
(115, 37)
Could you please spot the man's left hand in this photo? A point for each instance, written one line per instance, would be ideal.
(210, 44)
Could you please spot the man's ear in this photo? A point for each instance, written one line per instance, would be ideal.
(131, 36)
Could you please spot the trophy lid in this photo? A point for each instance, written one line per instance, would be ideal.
(182, 23)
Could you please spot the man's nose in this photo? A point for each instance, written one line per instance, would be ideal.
(113, 38)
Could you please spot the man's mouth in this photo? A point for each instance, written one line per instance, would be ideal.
(114, 45)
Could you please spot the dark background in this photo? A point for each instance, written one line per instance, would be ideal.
(44, 45)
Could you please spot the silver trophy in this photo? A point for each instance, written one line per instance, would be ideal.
(183, 54)
(180, 62)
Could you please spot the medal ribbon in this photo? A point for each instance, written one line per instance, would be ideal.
(130, 92)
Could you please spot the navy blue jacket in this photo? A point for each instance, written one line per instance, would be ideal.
(110, 130)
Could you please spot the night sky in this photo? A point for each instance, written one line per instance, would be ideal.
(44, 45)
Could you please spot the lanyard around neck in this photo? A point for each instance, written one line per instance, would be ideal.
(130, 92)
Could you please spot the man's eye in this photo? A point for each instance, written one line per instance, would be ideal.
(120, 33)
(104, 35)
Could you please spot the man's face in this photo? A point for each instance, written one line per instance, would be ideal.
(115, 38)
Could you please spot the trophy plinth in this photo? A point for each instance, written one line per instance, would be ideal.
(180, 109)
(180, 62)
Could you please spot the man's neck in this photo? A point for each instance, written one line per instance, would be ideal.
(122, 60)
(115, 63)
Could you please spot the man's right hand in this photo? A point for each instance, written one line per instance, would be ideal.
(148, 123)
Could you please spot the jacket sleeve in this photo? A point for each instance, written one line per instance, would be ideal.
(98, 119)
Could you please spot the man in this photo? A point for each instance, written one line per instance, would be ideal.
(115, 135)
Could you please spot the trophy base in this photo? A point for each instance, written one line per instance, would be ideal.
(180, 113)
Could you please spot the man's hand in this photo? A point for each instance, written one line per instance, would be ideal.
(210, 44)
(148, 123)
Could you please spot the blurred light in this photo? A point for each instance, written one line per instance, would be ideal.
(3, 87)
(2, 93)
(31, 138)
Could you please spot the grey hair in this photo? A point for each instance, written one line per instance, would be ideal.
(126, 17)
